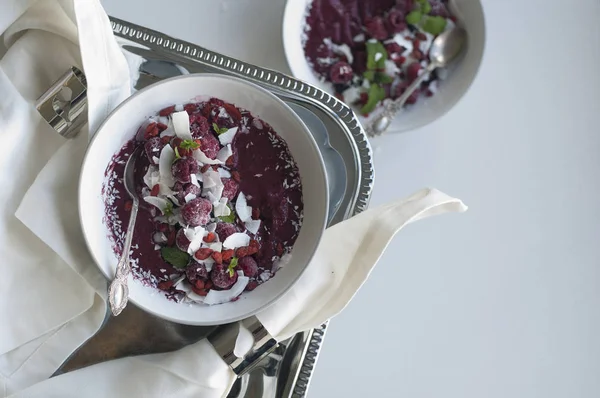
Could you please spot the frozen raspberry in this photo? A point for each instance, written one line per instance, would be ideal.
(412, 72)
(399, 90)
(198, 125)
(221, 278)
(224, 230)
(182, 169)
(395, 21)
(196, 212)
(376, 28)
(438, 9)
(210, 144)
(230, 188)
(394, 50)
(182, 190)
(182, 241)
(153, 147)
(405, 6)
(196, 272)
(341, 72)
(251, 286)
(249, 266)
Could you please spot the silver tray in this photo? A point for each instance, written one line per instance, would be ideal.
(286, 369)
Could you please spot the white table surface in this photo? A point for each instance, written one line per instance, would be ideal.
(503, 301)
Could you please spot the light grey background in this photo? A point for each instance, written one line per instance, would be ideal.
(503, 301)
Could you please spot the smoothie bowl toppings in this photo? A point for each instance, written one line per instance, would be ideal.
(220, 202)
(370, 51)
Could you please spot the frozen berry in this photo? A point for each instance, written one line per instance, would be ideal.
(198, 125)
(221, 278)
(341, 72)
(182, 169)
(376, 28)
(196, 272)
(210, 145)
(224, 230)
(399, 90)
(394, 50)
(438, 9)
(249, 266)
(181, 191)
(196, 212)
(251, 286)
(412, 72)
(153, 147)
(230, 188)
(395, 21)
(182, 241)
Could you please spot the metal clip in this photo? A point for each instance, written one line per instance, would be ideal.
(224, 339)
(64, 105)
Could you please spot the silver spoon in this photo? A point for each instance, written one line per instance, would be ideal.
(118, 291)
(444, 49)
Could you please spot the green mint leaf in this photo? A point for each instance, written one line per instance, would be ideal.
(382, 78)
(232, 265)
(425, 7)
(177, 155)
(414, 17)
(219, 130)
(230, 218)
(434, 25)
(177, 258)
(376, 94)
(376, 57)
(168, 208)
(189, 145)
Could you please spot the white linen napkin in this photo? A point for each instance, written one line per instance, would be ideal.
(52, 298)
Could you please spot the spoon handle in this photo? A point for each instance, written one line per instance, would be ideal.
(382, 121)
(118, 291)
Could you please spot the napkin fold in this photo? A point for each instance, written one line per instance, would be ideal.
(50, 283)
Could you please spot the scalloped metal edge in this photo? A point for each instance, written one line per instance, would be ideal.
(282, 82)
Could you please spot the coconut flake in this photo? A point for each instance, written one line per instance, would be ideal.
(201, 157)
(194, 180)
(212, 227)
(243, 211)
(351, 94)
(224, 296)
(167, 156)
(401, 40)
(252, 226)
(224, 153)
(215, 246)
(224, 173)
(257, 123)
(391, 69)
(283, 261)
(227, 137)
(212, 185)
(181, 125)
(160, 203)
(220, 208)
(265, 276)
(235, 240)
(151, 177)
(189, 197)
(195, 297)
(195, 236)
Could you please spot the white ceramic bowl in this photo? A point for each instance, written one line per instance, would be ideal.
(121, 126)
(427, 110)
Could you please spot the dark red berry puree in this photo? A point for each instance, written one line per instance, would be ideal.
(220, 202)
(372, 50)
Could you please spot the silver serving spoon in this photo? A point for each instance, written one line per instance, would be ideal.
(118, 291)
(444, 49)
